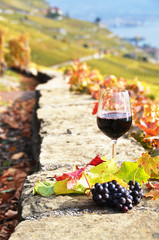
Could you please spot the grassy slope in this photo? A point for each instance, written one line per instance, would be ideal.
(49, 46)
(27, 5)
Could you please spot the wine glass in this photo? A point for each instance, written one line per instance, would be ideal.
(114, 116)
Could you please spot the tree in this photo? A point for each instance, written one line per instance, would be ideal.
(20, 52)
(97, 20)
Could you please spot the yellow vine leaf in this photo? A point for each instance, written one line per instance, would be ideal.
(149, 163)
(119, 180)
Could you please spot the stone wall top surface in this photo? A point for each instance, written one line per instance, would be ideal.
(70, 136)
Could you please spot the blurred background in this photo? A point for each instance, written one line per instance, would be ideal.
(49, 33)
(125, 18)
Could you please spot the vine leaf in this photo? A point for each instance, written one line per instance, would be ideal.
(101, 173)
(44, 188)
(119, 180)
(128, 169)
(72, 177)
(95, 108)
(61, 187)
(149, 163)
(96, 161)
(154, 192)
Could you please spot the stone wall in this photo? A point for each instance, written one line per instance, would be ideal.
(65, 134)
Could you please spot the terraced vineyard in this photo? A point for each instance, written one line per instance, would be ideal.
(147, 73)
(53, 41)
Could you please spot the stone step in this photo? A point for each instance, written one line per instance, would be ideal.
(138, 226)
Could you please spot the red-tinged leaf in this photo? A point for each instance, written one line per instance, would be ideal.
(71, 183)
(149, 128)
(152, 193)
(95, 108)
(72, 175)
(96, 161)
(155, 186)
(61, 178)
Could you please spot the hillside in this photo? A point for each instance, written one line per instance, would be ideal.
(27, 5)
(54, 41)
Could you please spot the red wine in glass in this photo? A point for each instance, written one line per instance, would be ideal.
(114, 116)
(114, 124)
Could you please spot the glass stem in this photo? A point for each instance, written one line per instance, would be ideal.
(113, 148)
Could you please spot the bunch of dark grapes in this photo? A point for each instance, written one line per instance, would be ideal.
(114, 195)
(135, 191)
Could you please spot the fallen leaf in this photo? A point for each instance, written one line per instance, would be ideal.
(128, 169)
(152, 186)
(44, 188)
(96, 161)
(152, 193)
(11, 214)
(149, 163)
(95, 108)
(17, 156)
(12, 149)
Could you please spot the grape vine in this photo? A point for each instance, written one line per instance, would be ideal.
(145, 110)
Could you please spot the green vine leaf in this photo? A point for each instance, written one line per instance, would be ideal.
(127, 171)
(44, 188)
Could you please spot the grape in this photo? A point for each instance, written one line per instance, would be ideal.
(130, 182)
(119, 206)
(115, 202)
(136, 200)
(132, 187)
(126, 194)
(96, 185)
(97, 197)
(106, 196)
(128, 202)
(105, 185)
(119, 195)
(111, 187)
(122, 200)
(114, 195)
(130, 206)
(125, 209)
(99, 188)
(93, 191)
(105, 190)
(114, 181)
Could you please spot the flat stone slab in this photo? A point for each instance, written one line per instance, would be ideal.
(36, 206)
(81, 149)
(137, 225)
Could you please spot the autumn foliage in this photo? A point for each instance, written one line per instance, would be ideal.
(3, 32)
(20, 52)
(145, 111)
(15, 135)
(18, 55)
